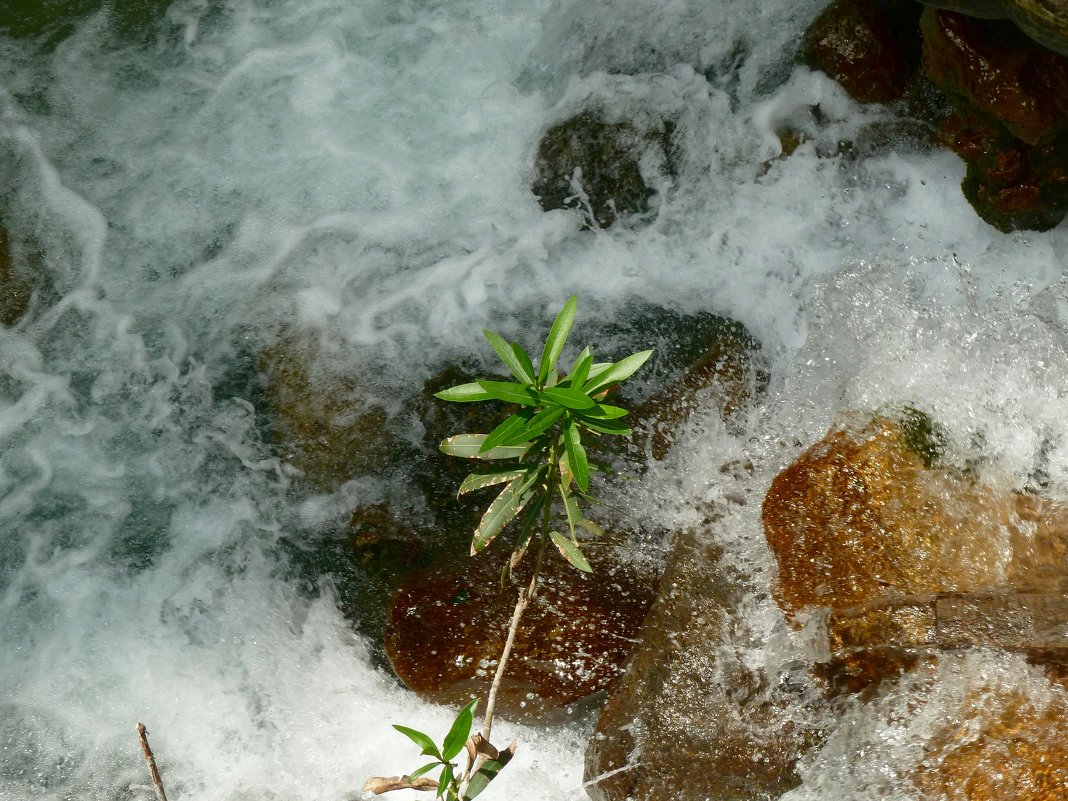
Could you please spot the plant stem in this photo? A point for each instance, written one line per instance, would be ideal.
(525, 596)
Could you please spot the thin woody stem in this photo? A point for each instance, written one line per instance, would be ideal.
(525, 596)
(157, 782)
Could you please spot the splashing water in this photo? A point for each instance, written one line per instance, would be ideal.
(361, 170)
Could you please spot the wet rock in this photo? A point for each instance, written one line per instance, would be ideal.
(16, 287)
(688, 719)
(600, 167)
(1045, 21)
(1010, 184)
(730, 375)
(447, 628)
(321, 421)
(870, 48)
(858, 517)
(56, 19)
(1001, 744)
(990, 66)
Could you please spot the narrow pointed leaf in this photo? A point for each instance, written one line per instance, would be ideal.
(596, 369)
(469, 446)
(524, 360)
(509, 392)
(602, 411)
(464, 393)
(620, 371)
(477, 481)
(569, 549)
(420, 739)
(444, 781)
(566, 397)
(458, 733)
(508, 355)
(539, 424)
(526, 534)
(606, 427)
(554, 343)
(502, 510)
(488, 772)
(505, 432)
(580, 372)
(415, 774)
(576, 455)
(571, 508)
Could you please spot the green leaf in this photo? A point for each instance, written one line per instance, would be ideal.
(477, 481)
(487, 773)
(526, 533)
(576, 455)
(469, 446)
(464, 393)
(460, 731)
(445, 780)
(502, 510)
(554, 343)
(569, 549)
(566, 397)
(580, 372)
(506, 431)
(620, 371)
(420, 739)
(602, 411)
(571, 508)
(509, 392)
(606, 427)
(524, 373)
(539, 424)
(524, 360)
(425, 769)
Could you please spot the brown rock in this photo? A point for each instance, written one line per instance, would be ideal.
(1000, 745)
(688, 719)
(447, 628)
(870, 48)
(858, 517)
(320, 420)
(990, 66)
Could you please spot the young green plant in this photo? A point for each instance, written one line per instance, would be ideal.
(539, 455)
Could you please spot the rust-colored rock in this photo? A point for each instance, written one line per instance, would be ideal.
(688, 719)
(447, 628)
(321, 421)
(1000, 745)
(992, 67)
(858, 517)
(870, 48)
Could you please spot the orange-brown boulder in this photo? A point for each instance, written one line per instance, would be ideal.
(446, 630)
(1000, 745)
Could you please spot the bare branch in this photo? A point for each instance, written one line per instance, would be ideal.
(157, 782)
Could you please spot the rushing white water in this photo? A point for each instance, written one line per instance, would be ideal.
(361, 168)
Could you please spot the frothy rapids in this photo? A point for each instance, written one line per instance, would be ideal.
(361, 169)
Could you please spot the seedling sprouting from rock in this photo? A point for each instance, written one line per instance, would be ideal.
(539, 455)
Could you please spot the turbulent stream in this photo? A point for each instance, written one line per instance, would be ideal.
(361, 170)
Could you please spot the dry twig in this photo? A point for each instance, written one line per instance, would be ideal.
(157, 782)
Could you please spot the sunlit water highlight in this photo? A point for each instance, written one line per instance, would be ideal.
(361, 169)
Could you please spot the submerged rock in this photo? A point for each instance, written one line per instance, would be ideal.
(590, 164)
(870, 48)
(447, 628)
(16, 288)
(321, 421)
